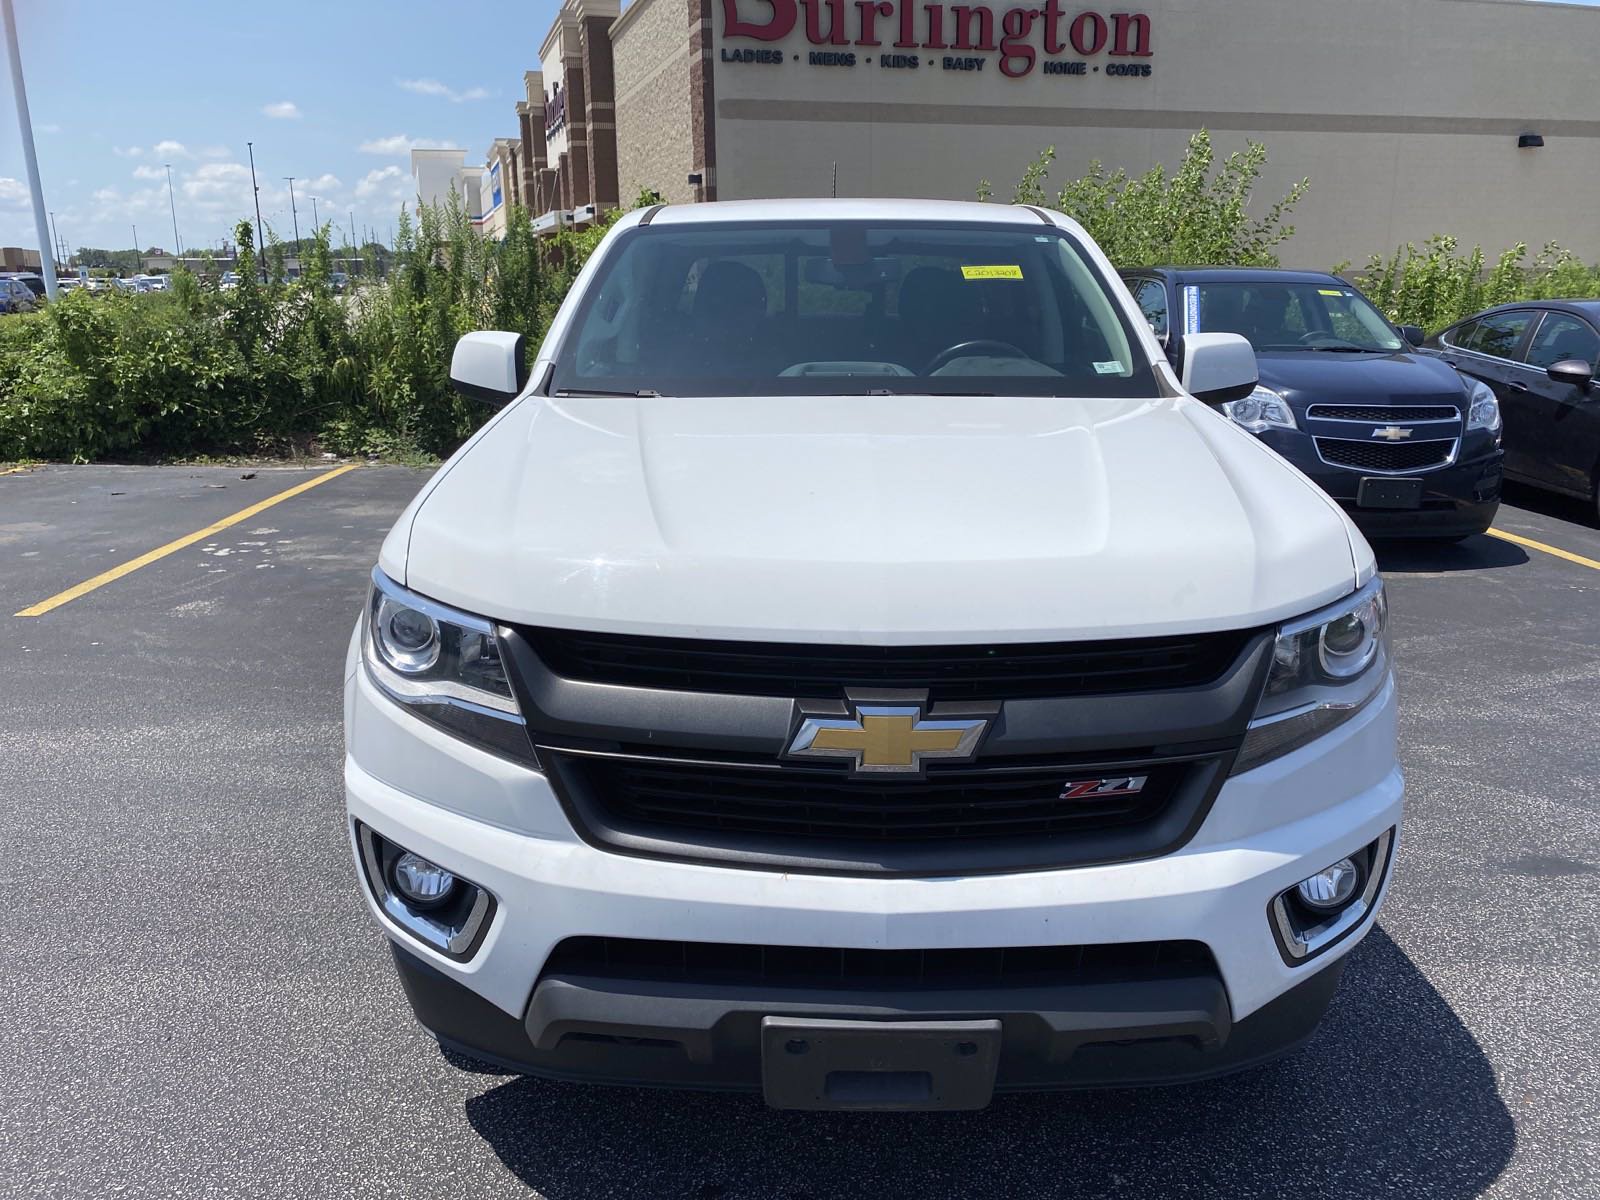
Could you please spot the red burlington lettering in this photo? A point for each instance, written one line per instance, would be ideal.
(1130, 34)
(935, 27)
(1088, 33)
(870, 11)
(1052, 28)
(777, 27)
(1016, 52)
(908, 32)
(836, 34)
(965, 23)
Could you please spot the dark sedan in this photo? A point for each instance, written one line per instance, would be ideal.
(1405, 443)
(1539, 358)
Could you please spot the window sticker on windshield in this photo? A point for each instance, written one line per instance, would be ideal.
(1110, 368)
(1331, 292)
(993, 272)
(1191, 309)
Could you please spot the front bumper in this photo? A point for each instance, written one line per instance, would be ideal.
(1457, 501)
(499, 825)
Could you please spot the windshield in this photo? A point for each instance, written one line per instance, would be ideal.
(829, 308)
(1328, 316)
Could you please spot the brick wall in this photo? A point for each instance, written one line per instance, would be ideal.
(654, 136)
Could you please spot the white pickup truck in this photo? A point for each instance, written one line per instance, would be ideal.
(854, 664)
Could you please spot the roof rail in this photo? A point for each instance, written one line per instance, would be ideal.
(650, 213)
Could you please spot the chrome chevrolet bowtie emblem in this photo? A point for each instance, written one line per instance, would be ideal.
(1392, 433)
(887, 738)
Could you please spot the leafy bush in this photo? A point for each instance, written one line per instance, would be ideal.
(1437, 286)
(1190, 216)
(270, 364)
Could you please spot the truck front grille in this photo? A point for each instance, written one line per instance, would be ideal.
(981, 672)
(983, 968)
(959, 819)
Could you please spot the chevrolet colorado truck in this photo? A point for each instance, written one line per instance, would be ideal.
(853, 665)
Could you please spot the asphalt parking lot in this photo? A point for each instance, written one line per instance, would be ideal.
(196, 1003)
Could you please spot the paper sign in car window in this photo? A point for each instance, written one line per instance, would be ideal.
(1330, 292)
(992, 272)
(1191, 309)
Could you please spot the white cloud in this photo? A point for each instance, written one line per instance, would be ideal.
(432, 87)
(400, 144)
(320, 185)
(386, 182)
(127, 151)
(13, 192)
(167, 148)
(142, 171)
(282, 110)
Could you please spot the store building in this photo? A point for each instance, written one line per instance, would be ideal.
(1478, 118)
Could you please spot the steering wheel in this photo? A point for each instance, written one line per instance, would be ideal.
(969, 349)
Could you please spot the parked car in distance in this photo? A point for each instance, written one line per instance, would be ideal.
(34, 283)
(340, 281)
(722, 713)
(1539, 358)
(1406, 445)
(16, 296)
(229, 281)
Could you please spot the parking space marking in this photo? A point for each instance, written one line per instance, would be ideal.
(160, 552)
(1555, 550)
(12, 470)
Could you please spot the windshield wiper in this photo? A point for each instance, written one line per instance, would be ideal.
(603, 392)
(1348, 349)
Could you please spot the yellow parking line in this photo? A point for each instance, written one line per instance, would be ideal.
(189, 539)
(12, 470)
(1555, 550)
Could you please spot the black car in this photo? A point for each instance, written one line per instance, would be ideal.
(1539, 358)
(1405, 443)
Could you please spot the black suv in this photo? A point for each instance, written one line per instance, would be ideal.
(1402, 440)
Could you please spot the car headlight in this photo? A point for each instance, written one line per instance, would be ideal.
(442, 664)
(1326, 668)
(1483, 410)
(1261, 410)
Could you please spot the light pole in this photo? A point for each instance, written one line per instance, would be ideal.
(255, 188)
(55, 238)
(315, 223)
(176, 240)
(29, 158)
(296, 214)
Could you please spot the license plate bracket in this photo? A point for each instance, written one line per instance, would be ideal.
(1389, 493)
(879, 1065)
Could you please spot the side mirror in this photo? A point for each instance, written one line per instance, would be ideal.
(1414, 334)
(489, 366)
(1571, 370)
(1218, 367)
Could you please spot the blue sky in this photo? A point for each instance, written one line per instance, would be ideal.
(332, 92)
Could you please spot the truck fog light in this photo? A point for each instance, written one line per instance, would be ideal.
(1331, 888)
(426, 884)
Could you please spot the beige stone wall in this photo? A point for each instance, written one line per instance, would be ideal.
(650, 53)
(1404, 113)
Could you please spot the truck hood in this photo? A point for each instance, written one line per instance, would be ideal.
(874, 519)
(1403, 377)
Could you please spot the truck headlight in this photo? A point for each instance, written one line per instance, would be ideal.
(1483, 410)
(1326, 667)
(442, 664)
(1261, 410)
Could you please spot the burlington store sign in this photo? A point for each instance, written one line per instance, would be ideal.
(905, 35)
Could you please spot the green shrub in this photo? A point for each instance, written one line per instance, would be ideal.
(1193, 215)
(1437, 285)
(270, 364)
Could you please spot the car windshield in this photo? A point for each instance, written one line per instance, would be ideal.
(1330, 316)
(829, 308)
